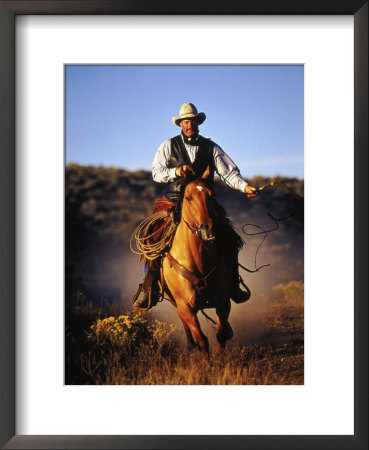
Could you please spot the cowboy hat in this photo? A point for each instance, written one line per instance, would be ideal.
(189, 111)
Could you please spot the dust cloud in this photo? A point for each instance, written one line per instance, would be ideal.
(112, 271)
(106, 268)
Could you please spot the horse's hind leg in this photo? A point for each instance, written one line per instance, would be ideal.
(225, 332)
(191, 344)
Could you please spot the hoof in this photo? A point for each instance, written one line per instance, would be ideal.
(221, 347)
(190, 347)
(225, 334)
(204, 350)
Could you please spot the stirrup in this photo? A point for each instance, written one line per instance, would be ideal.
(136, 295)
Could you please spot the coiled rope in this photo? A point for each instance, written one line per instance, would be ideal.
(141, 238)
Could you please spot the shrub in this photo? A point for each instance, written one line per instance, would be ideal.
(286, 313)
(128, 332)
(293, 292)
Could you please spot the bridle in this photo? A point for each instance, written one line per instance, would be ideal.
(195, 229)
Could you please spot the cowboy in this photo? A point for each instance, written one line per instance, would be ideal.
(188, 154)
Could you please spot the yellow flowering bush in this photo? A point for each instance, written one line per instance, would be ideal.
(129, 331)
(162, 333)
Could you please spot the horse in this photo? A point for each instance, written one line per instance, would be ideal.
(194, 271)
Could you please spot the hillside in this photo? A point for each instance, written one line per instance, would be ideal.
(103, 206)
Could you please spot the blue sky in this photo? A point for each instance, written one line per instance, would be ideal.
(118, 115)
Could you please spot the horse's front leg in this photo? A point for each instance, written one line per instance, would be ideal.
(191, 344)
(191, 322)
(225, 332)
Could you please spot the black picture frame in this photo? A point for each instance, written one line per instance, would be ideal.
(8, 12)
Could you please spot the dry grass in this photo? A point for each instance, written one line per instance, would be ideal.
(129, 349)
(239, 365)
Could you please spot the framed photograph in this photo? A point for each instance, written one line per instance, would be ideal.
(59, 59)
(111, 194)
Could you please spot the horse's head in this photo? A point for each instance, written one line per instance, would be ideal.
(198, 209)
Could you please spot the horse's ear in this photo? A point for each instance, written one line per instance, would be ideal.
(206, 173)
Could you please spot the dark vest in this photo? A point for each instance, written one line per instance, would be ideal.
(179, 157)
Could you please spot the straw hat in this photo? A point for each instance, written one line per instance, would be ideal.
(189, 111)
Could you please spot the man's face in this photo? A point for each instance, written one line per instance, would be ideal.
(189, 127)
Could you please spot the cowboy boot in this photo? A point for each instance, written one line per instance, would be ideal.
(148, 293)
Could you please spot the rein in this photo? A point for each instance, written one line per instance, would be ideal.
(194, 230)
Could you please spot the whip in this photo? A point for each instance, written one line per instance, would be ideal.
(279, 182)
(274, 219)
